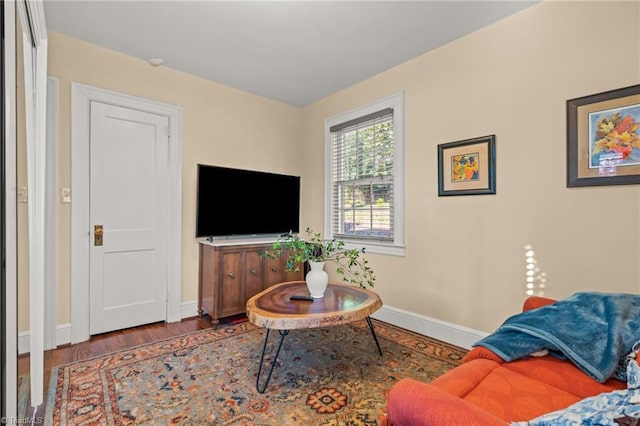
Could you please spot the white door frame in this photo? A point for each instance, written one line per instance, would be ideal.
(81, 97)
(11, 281)
(34, 52)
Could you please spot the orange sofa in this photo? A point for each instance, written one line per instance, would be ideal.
(485, 390)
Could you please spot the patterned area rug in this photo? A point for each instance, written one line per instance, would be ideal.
(323, 376)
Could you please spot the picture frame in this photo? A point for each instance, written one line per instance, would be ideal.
(603, 138)
(467, 167)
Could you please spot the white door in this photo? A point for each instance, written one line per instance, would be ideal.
(128, 199)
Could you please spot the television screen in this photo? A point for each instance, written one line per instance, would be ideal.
(234, 202)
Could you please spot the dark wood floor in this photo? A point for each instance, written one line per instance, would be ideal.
(114, 341)
(110, 342)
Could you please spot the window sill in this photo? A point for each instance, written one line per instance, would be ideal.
(389, 249)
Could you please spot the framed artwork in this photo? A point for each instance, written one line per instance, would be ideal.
(467, 167)
(603, 138)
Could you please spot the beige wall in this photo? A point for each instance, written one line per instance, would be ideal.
(222, 126)
(464, 261)
(464, 258)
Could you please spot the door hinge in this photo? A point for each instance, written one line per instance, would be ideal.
(167, 130)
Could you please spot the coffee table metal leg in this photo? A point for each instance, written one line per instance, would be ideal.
(373, 332)
(283, 333)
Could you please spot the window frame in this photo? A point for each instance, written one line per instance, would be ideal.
(395, 247)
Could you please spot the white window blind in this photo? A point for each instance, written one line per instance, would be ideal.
(362, 180)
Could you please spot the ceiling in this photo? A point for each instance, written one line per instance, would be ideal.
(296, 52)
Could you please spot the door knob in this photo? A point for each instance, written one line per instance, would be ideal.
(97, 235)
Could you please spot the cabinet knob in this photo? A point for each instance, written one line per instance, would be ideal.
(254, 272)
(231, 275)
(274, 268)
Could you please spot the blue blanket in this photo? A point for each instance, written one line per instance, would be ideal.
(593, 330)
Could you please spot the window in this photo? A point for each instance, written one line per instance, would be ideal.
(364, 176)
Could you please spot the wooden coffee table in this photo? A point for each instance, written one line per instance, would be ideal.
(341, 304)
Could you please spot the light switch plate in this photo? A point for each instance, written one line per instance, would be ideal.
(65, 195)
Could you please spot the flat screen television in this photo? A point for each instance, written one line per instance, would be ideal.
(244, 203)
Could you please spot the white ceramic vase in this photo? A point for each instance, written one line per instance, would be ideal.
(317, 280)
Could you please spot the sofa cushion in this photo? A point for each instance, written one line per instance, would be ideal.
(612, 408)
(513, 396)
(466, 377)
(413, 403)
(522, 389)
(562, 375)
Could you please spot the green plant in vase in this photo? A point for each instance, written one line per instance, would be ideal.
(350, 263)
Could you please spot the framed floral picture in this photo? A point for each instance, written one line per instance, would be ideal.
(603, 138)
(467, 167)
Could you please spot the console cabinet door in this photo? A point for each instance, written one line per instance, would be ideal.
(231, 298)
(207, 287)
(276, 271)
(253, 275)
(273, 272)
(290, 275)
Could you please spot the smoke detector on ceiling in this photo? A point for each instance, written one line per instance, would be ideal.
(155, 61)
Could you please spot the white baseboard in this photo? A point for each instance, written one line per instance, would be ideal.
(63, 336)
(189, 309)
(23, 342)
(432, 327)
